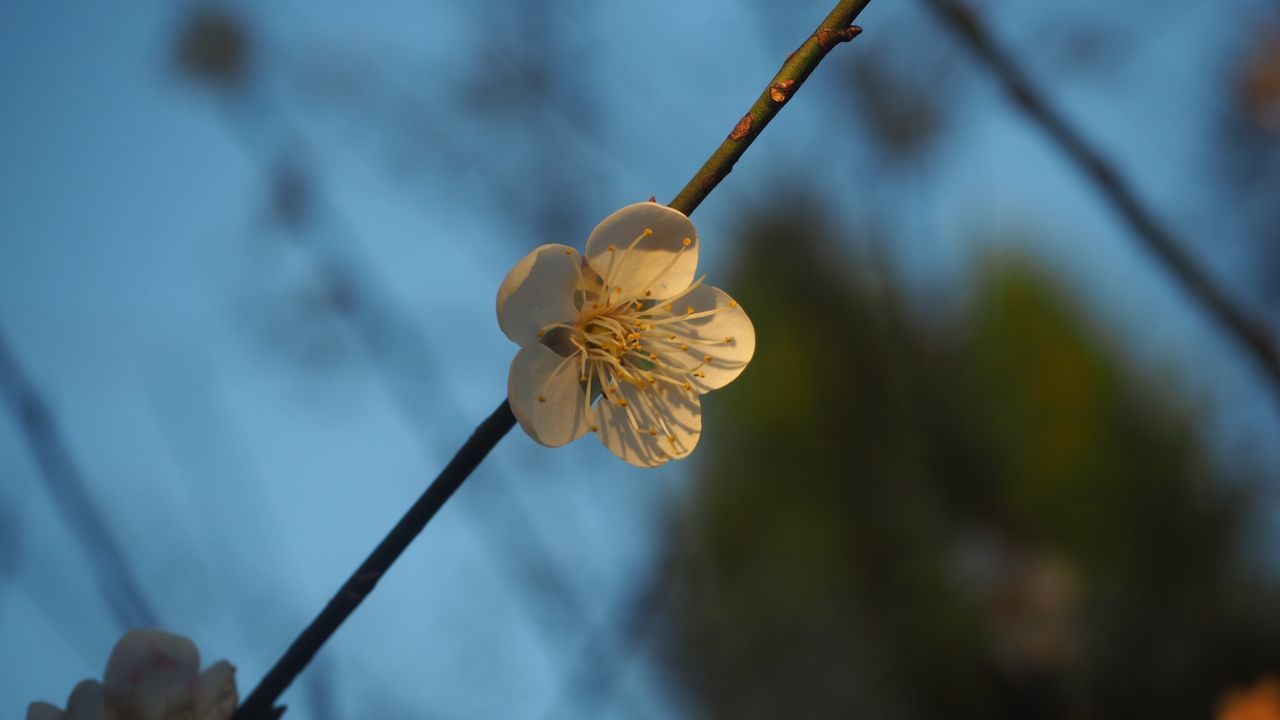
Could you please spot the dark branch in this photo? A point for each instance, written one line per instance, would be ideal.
(1249, 332)
(834, 29)
(114, 574)
(362, 581)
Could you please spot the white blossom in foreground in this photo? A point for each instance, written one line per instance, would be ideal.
(152, 675)
(627, 325)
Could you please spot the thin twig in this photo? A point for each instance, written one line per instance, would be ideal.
(833, 30)
(115, 576)
(362, 581)
(1246, 330)
(836, 28)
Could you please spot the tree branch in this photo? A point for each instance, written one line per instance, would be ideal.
(835, 29)
(1249, 332)
(110, 564)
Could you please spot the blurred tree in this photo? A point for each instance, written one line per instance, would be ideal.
(999, 521)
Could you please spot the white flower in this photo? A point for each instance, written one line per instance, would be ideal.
(629, 322)
(152, 675)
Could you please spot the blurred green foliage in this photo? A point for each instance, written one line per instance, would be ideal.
(998, 518)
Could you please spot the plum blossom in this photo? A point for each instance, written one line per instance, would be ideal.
(152, 675)
(621, 341)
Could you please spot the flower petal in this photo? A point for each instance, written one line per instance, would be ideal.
(44, 711)
(214, 694)
(547, 397)
(539, 290)
(87, 702)
(727, 336)
(659, 263)
(673, 415)
(149, 672)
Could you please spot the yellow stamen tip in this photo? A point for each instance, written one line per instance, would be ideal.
(648, 293)
(542, 333)
(688, 242)
(613, 248)
(684, 347)
(667, 307)
(568, 251)
(622, 402)
(687, 386)
(688, 310)
(671, 439)
(653, 432)
(648, 232)
(595, 428)
(541, 399)
(728, 339)
(582, 378)
(733, 303)
(706, 358)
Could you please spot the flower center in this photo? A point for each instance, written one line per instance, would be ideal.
(628, 338)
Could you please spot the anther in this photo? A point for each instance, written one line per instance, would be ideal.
(568, 251)
(542, 333)
(622, 402)
(728, 339)
(582, 378)
(733, 303)
(687, 386)
(648, 293)
(541, 399)
(595, 428)
(688, 242)
(667, 307)
(706, 358)
(653, 356)
(648, 232)
(653, 432)
(683, 347)
(671, 439)
(613, 248)
(688, 310)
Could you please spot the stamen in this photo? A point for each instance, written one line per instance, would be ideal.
(622, 260)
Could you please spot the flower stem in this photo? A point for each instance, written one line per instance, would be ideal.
(836, 28)
(260, 704)
(362, 581)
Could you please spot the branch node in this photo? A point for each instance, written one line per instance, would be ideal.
(830, 38)
(779, 92)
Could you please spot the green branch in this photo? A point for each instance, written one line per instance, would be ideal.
(838, 27)
(260, 704)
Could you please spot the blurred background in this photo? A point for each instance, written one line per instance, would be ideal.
(989, 461)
